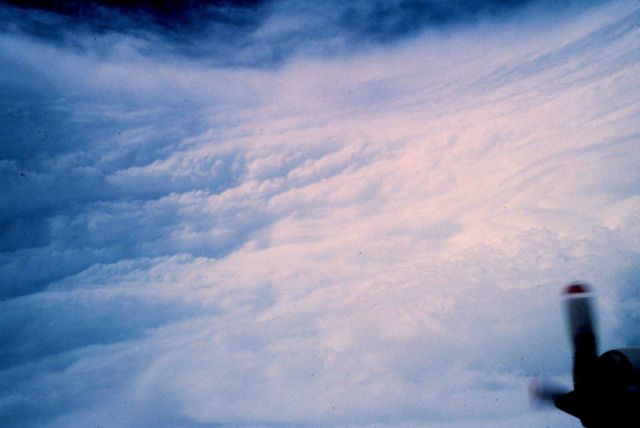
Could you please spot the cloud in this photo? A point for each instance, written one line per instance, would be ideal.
(371, 236)
(253, 33)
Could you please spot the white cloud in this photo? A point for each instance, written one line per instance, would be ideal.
(369, 239)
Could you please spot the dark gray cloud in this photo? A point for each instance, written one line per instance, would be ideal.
(248, 33)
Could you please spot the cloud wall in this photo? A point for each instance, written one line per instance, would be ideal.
(358, 234)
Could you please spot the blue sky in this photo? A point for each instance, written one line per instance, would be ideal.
(277, 214)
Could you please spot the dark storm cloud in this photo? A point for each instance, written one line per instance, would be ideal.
(255, 33)
(116, 15)
(169, 27)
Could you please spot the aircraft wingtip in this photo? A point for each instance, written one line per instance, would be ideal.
(576, 288)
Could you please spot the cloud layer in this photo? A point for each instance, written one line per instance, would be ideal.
(357, 234)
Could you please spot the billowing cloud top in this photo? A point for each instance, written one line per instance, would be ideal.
(282, 213)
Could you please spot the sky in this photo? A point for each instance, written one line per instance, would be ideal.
(327, 214)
